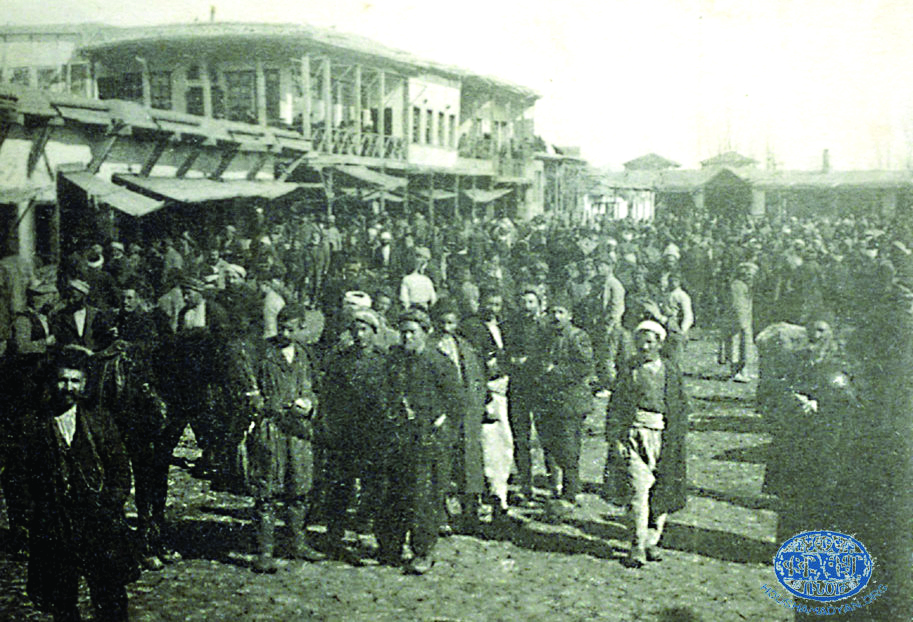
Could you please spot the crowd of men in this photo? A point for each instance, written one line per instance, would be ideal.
(391, 369)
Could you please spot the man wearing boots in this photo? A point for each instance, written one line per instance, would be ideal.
(279, 442)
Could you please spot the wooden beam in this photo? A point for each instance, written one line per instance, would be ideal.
(188, 162)
(227, 156)
(39, 138)
(291, 168)
(358, 112)
(260, 162)
(261, 92)
(306, 95)
(157, 150)
(207, 88)
(4, 131)
(101, 153)
(327, 93)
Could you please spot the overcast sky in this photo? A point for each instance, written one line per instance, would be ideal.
(620, 78)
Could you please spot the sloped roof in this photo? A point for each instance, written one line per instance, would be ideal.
(668, 180)
(801, 180)
(295, 34)
(650, 162)
(728, 159)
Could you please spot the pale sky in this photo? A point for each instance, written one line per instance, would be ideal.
(621, 78)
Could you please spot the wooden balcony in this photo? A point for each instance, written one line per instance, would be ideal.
(344, 141)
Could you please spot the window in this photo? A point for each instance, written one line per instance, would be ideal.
(128, 86)
(194, 98)
(241, 96)
(273, 96)
(21, 76)
(218, 102)
(160, 89)
(441, 128)
(416, 125)
(79, 76)
(51, 78)
(193, 72)
(429, 126)
(452, 131)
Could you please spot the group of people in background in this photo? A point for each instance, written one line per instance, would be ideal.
(396, 370)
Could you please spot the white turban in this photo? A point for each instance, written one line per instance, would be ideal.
(653, 327)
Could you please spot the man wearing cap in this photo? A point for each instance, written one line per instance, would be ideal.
(423, 387)
(279, 442)
(646, 424)
(738, 340)
(526, 329)
(566, 370)
(416, 289)
(351, 410)
(79, 480)
(78, 322)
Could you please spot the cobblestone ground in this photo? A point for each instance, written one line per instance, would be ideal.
(717, 557)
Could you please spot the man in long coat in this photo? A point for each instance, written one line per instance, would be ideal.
(351, 413)
(423, 386)
(566, 372)
(647, 422)
(279, 444)
(79, 480)
(464, 426)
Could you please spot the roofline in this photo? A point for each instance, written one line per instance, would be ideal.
(324, 37)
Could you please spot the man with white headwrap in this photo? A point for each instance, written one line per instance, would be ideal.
(647, 422)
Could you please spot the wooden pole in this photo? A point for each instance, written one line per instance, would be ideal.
(307, 102)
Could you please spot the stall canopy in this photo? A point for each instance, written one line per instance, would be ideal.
(437, 195)
(116, 196)
(486, 196)
(373, 195)
(368, 176)
(202, 189)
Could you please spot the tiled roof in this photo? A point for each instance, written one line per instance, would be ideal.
(302, 34)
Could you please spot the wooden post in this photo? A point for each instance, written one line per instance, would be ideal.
(431, 204)
(359, 114)
(261, 93)
(381, 117)
(327, 94)
(147, 85)
(456, 198)
(207, 89)
(306, 96)
(331, 192)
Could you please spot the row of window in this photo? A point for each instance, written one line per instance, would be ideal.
(57, 79)
(430, 128)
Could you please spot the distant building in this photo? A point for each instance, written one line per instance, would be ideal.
(730, 159)
(650, 162)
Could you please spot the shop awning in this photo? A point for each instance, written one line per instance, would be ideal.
(373, 195)
(117, 197)
(198, 190)
(486, 196)
(437, 195)
(366, 175)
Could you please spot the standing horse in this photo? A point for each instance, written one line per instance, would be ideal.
(126, 390)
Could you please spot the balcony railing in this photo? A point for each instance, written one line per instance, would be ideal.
(343, 141)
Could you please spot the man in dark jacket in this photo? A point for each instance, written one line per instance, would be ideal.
(79, 482)
(423, 385)
(352, 410)
(279, 444)
(647, 422)
(566, 373)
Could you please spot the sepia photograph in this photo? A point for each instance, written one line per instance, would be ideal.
(401, 310)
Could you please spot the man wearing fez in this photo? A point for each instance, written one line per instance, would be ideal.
(422, 390)
(279, 443)
(79, 480)
(647, 421)
(352, 405)
(566, 371)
